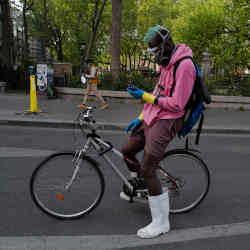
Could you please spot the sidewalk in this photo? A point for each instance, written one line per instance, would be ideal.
(62, 111)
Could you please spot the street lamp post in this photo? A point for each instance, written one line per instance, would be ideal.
(82, 56)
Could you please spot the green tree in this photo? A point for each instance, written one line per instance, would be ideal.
(233, 42)
(7, 34)
(151, 13)
(115, 37)
(199, 24)
(67, 22)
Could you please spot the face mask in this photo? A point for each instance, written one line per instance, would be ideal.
(161, 56)
(158, 53)
(153, 51)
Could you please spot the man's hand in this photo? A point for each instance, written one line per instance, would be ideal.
(135, 92)
(141, 94)
(133, 125)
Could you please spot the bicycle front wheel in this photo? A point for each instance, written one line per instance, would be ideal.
(187, 179)
(66, 188)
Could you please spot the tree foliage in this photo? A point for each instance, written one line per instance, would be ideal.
(64, 24)
(221, 26)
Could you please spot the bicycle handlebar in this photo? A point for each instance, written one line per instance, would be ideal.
(86, 117)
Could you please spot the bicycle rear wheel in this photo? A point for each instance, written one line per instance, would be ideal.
(187, 179)
(57, 193)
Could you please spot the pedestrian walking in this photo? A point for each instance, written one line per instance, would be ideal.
(158, 123)
(92, 81)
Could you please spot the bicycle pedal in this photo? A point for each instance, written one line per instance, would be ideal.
(125, 197)
(140, 200)
(143, 190)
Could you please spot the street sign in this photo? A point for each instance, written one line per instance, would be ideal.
(42, 74)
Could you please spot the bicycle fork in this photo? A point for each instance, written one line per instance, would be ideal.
(77, 160)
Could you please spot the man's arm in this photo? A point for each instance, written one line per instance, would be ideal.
(185, 78)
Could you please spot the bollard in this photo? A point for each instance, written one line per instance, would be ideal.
(33, 96)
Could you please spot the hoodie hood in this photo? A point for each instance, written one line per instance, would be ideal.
(181, 51)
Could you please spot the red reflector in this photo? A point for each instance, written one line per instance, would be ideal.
(60, 196)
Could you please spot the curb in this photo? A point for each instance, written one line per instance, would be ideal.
(61, 124)
(227, 102)
(102, 126)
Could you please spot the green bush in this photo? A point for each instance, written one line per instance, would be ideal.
(105, 81)
(75, 82)
(231, 86)
(244, 85)
(124, 79)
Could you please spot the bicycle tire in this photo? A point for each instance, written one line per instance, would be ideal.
(48, 186)
(193, 179)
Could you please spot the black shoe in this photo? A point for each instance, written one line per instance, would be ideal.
(140, 190)
(139, 184)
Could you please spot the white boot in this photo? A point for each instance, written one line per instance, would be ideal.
(159, 207)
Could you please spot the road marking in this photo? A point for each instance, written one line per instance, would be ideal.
(23, 152)
(104, 242)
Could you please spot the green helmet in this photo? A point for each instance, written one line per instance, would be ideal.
(156, 30)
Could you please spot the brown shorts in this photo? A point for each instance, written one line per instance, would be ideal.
(156, 138)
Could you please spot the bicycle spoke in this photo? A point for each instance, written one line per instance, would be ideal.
(186, 178)
(65, 188)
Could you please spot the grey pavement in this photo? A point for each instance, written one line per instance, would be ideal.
(61, 112)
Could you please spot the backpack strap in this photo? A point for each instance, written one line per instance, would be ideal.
(175, 68)
(199, 129)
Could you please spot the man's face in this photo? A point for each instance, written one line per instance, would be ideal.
(156, 48)
(160, 50)
(156, 41)
(155, 45)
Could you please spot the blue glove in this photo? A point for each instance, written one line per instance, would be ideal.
(133, 124)
(135, 92)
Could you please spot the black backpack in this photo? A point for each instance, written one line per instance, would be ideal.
(195, 105)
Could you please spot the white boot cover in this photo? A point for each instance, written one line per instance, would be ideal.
(159, 207)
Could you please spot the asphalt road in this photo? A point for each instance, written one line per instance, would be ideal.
(114, 222)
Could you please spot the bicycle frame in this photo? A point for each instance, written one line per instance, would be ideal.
(95, 141)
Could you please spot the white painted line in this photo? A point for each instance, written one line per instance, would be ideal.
(23, 152)
(104, 242)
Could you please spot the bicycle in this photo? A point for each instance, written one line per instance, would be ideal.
(68, 185)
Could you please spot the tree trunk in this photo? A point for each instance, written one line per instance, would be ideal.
(96, 20)
(25, 58)
(25, 30)
(7, 53)
(60, 56)
(115, 38)
(43, 38)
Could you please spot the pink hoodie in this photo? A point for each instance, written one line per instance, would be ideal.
(172, 107)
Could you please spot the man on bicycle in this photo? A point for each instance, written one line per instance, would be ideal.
(159, 122)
